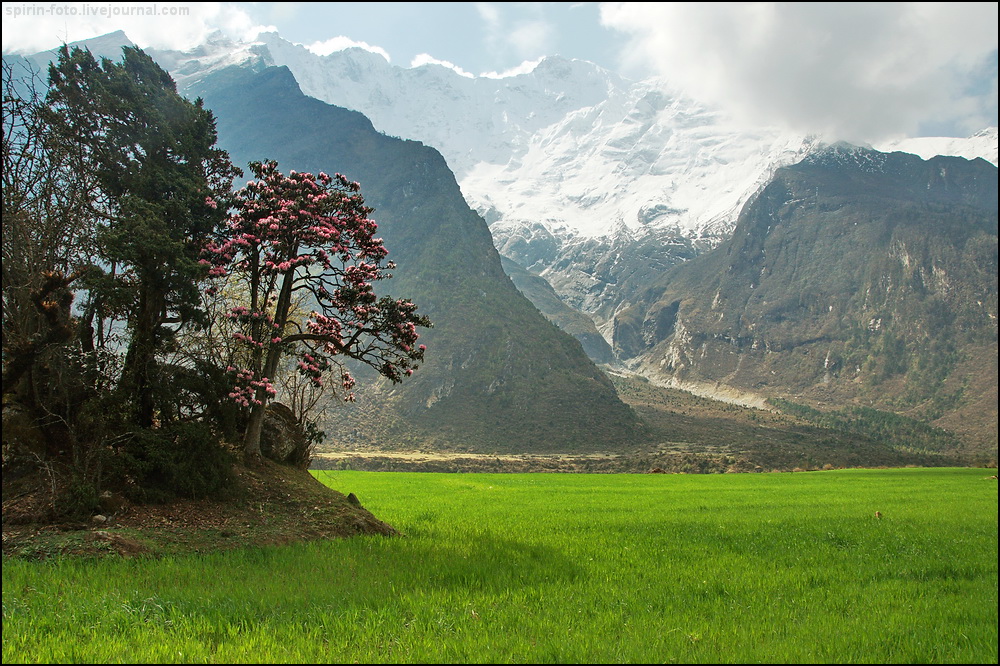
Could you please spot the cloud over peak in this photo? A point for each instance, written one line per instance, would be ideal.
(854, 71)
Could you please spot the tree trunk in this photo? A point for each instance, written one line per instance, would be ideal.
(137, 375)
(251, 441)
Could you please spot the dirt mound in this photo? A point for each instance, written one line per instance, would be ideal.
(269, 503)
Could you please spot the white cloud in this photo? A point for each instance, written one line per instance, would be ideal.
(425, 59)
(341, 43)
(528, 36)
(33, 27)
(530, 39)
(524, 68)
(855, 71)
(489, 13)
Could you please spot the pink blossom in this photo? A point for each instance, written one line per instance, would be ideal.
(280, 223)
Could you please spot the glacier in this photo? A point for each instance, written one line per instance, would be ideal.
(586, 178)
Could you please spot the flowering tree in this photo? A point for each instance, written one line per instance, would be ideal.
(309, 235)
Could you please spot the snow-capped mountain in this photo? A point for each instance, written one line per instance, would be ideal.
(981, 144)
(568, 144)
(588, 179)
(568, 163)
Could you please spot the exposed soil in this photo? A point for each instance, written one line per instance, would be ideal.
(695, 460)
(268, 504)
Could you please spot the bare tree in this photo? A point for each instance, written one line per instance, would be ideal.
(47, 230)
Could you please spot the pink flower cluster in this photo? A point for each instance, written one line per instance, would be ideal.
(305, 233)
(293, 221)
(313, 368)
(347, 382)
(328, 328)
(248, 390)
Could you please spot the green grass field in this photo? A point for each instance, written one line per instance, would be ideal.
(495, 568)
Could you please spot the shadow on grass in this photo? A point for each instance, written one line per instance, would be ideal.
(263, 583)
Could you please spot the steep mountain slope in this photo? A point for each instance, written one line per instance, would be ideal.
(592, 181)
(596, 183)
(854, 275)
(498, 376)
(574, 322)
(575, 169)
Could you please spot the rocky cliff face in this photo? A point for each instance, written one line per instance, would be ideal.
(853, 275)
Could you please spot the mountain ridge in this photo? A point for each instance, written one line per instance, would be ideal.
(497, 373)
(561, 159)
(853, 277)
(624, 276)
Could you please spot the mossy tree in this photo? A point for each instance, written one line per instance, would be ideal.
(158, 176)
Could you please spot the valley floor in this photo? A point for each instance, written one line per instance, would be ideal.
(684, 433)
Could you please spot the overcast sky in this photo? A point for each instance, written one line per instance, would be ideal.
(855, 71)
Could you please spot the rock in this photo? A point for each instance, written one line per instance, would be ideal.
(282, 439)
(353, 499)
(111, 503)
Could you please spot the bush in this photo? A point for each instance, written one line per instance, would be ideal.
(80, 497)
(180, 460)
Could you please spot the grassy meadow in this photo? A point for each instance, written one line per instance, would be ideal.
(528, 568)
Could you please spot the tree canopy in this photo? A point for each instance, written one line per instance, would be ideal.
(309, 236)
(155, 165)
(127, 254)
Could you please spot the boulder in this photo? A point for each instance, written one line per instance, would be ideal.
(282, 438)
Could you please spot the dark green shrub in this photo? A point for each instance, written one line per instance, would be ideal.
(80, 498)
(180, 460)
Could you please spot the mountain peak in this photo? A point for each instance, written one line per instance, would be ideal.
(844, 153)
(981, 144)
(103, 46)
(112, 40)
(279, 45)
